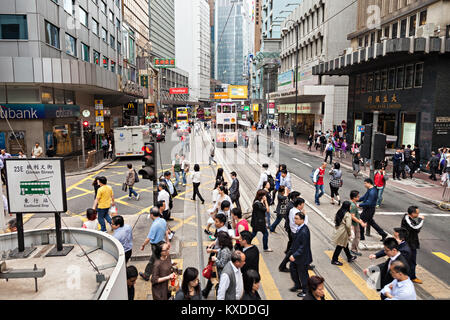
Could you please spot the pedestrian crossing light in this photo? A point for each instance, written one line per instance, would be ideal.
(149, 170)
(85, 124)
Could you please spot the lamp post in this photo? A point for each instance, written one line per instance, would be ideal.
(285, 30)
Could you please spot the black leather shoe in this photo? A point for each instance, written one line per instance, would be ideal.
(283, 269)
(353, 258)
(143, 276)
(311, 267)
(301, 295)
(294, 289)
(337, 263)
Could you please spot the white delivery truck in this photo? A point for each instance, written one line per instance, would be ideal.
(129, 141)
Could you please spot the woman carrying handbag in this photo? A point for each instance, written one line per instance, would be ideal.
(343, 226)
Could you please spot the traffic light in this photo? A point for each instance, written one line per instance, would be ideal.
(366, 141)
(149, 170)
(85, 124)
(379, 150)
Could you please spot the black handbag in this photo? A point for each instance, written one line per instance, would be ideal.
(124, 187)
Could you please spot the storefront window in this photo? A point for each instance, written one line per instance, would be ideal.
(418, 78)
(409, 129)
(391, 83)
(377, 81)
(62, 138)
(23, 94)
(2, 94)
(409, 76)
(69, 96)
(370, 82)
(384, 79)
(47, 95)
(400, 77)
(59, 96)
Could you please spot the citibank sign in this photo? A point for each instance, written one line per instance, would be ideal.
(38, 111)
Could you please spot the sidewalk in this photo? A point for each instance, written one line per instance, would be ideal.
(420, 186)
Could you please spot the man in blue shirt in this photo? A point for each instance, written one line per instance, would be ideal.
(124, 233)
(158, 234)
(369, 202)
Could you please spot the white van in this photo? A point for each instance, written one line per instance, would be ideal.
(129, 141)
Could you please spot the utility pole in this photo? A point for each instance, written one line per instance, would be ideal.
(372, 147)
(83, 151)
(296, 84)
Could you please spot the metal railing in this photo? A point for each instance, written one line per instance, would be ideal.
(93, 158)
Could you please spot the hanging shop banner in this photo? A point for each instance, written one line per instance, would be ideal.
(36, 185)
(38, 111)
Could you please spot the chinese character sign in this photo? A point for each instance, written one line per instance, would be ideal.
(36, 185)
(164, 63)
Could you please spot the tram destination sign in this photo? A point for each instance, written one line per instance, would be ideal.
(36, 185)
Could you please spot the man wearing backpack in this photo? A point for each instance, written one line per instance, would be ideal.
(266, 176)
(318, 182)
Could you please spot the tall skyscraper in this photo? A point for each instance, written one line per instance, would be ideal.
(162, 28)
(192, 43)
(232, 40)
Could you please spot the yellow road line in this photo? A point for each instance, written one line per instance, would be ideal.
(356, 280)
(182, 222)
(84, 180)
(27, 217)
(78, 196)
(84, 190)
(431, 284)
(442, 256)
(267, 282)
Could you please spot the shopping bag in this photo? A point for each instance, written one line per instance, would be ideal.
(113, 211)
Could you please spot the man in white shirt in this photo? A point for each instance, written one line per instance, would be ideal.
(299, 205)
(285, 180)
(231, 284)
(264, 175)
(37, 151)
(164, 196)
(402, 288)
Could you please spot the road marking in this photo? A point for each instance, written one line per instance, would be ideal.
(432, 285)
(442, 256)
(89, 177)
(328, 296)
(182, 222)
(306, 164)
(356, 279)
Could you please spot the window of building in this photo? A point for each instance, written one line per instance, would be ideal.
(360, 42)
(104, 35)
(23, 94)
(394, 30)
(118, 3)
(51, 34)
(95, 27)
(112, 42)
(69, 96)
(119, 47)
(13, 26)
(418, 77)
(403, 28)
(366, 40)
(84, 52)
(391, 79)
(47, 95)
(111, 16)
(386, 31)
(400, 77)
(372, 39)
(69, 6)
(363, 82)
(384, 79)
(379, 35)
(412, 25)
(370, 81)
(59, 96)
(409, 79)
(96, 57)
(105, 63)
(71, 45)
(83, 17)
(118, 24)
(113, 66)
(423, 18)
(119, 69)
(377, 81)
(103, 7)
(447, 31)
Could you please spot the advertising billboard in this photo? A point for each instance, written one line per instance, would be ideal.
(238, 92)
(179, 90)
(286, 81)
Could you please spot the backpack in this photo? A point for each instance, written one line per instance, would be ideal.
(271, 181)
(136, 176)
(311, 176)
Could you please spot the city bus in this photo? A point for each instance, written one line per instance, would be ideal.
(182, 115)
(226, 125)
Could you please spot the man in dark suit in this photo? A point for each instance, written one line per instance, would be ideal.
(234, 190)
(251, 252)
(301, 256)
(399, 235)
(392, 251)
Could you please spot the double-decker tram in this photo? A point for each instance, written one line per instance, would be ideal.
(226, 125)
(182, 115)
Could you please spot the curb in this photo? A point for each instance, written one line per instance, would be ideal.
(101, 166)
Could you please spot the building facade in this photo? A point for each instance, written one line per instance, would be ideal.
(192, 45)
(322, 102)
(400, 67)
(162, 28)
(56, 59)
(232, 40)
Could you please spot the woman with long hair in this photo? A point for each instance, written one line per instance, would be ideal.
(343, 226)
(162, 273)
(239, 224)
(258, 223)
(219, 175)
(251, 285)
(96, 186)
(223, 255)
(190, 287)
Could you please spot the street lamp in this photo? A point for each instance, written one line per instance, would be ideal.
(285, 30)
